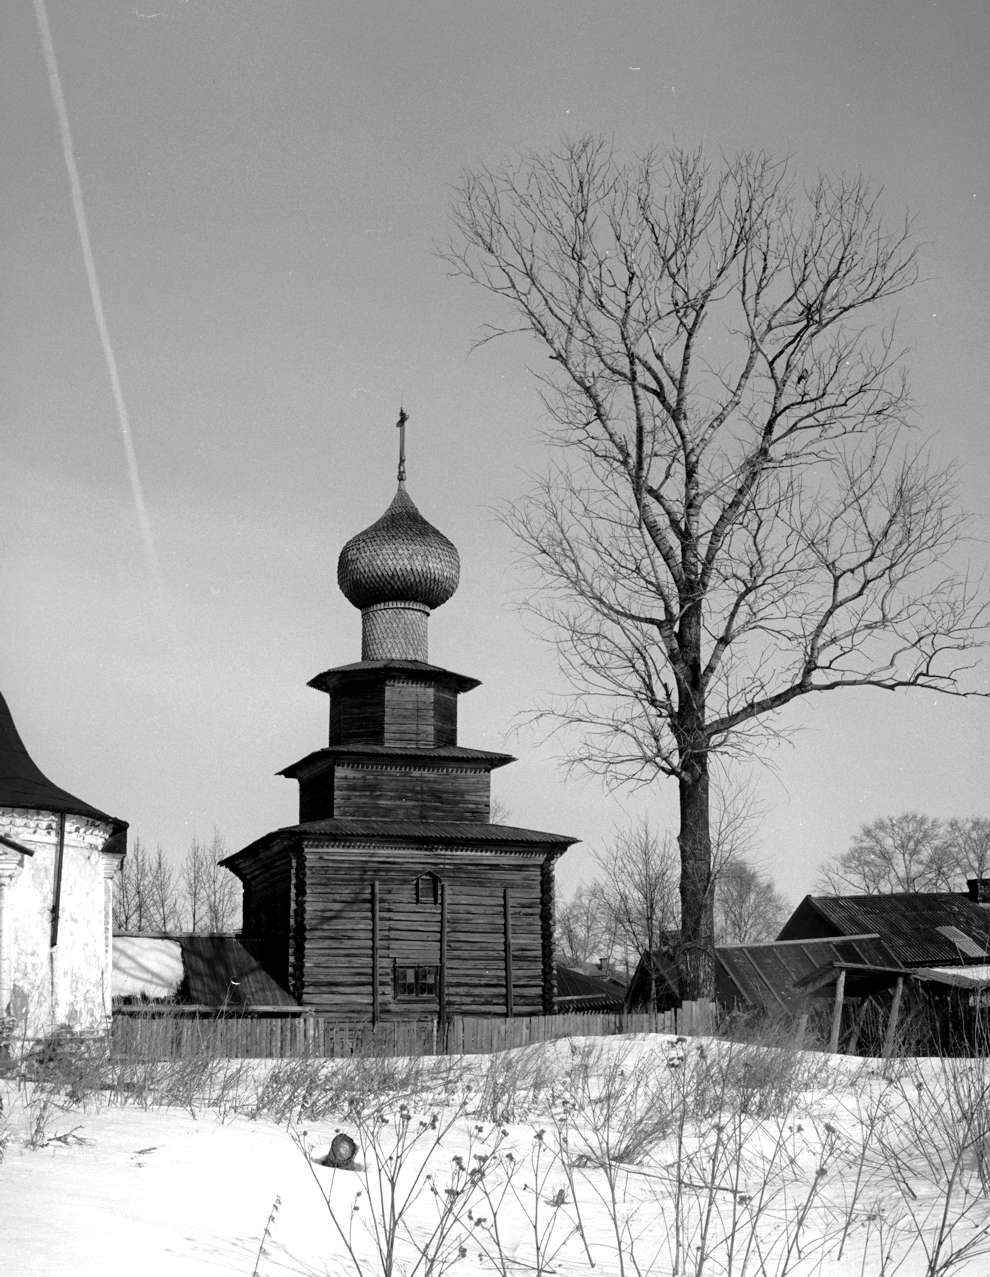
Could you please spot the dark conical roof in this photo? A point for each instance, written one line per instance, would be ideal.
(400, 559)
(23, 784)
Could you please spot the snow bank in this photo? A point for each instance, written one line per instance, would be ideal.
(146, 966)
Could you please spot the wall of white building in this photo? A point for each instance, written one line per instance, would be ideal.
(43, 987)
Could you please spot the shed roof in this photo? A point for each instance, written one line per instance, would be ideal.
(976, 977)
(212, 970)
(766, 976)
(581, 991)
(910, 923)
(24, 785)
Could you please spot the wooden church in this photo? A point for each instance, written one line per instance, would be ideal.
(395, 896)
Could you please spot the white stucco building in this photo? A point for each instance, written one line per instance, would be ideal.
(58, 858)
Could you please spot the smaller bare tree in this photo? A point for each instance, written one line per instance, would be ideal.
(132, 910)
(193, 879)
(164, 904)
(967, 846)
(908, 852)
(222, 892)
(639, 893)
(584, 930)
(748, 907)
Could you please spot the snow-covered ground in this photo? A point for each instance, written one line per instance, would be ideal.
(608, 1156)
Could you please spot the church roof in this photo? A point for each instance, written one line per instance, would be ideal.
(437, 832)
(23, 784)
(415, 756)
(325, 681)
(401, 558)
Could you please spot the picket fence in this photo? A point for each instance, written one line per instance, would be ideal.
(169, 1034)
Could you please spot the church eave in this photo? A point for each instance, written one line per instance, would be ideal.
(481, 760)
(330, 679)
(473, 835)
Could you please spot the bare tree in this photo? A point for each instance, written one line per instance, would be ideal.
(748, 907)
(584, 930)
(638, 894)
(163, 900)
(967, 846)
(735, 520)
(194, 876)
(132, 908)
(222, 891)
(894, 853)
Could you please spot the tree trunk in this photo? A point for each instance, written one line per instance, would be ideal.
(696, 960)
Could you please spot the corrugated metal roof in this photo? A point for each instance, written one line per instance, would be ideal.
(579, 991)
(909, 923)
(212, 971)
(977, 977)
(24, 785)
(399, 831)
(765, 975)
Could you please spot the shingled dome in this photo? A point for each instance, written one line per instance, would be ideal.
(399, 559)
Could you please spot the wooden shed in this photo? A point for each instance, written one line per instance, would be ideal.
(395, 896)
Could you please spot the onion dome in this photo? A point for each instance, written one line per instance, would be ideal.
(400, 559)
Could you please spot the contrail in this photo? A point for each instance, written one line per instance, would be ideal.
(55, 84)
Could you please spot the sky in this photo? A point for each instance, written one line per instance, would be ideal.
(265, 185)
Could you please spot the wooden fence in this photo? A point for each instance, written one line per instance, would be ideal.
(167, 1034)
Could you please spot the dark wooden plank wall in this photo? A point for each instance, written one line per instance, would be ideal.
(445, 714)
(409, 717)
(267, 911)
(357, 715)
(405, 712)
(338, 932)
(388, 791)
(316, 796)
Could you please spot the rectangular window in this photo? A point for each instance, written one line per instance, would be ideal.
(416, 982)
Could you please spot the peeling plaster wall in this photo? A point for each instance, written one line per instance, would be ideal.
(69, 984)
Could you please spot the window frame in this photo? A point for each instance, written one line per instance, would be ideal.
(424, 986)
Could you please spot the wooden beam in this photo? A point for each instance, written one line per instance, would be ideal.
(840, 988)
(895, 1010)
(442, 982)
(864, 1006)
(375, 1009)
(507, 934)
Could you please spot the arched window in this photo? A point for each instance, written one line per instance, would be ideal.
(427, 889)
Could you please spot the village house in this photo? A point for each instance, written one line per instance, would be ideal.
(859, 965)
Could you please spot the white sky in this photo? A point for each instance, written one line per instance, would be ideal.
(265, 183)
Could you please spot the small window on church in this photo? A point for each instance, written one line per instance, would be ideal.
(428, 889)
(416, 982)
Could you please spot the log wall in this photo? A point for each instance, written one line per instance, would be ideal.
(409, 713)
(388, 791)
(338, 942)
